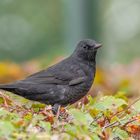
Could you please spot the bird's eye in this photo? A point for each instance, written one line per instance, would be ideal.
(87, 47)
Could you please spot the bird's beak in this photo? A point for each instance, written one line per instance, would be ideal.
(97, 46)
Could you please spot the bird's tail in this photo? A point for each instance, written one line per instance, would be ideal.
(7, 87)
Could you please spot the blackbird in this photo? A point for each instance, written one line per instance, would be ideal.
(63, 83)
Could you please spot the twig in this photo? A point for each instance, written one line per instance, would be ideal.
(133, 120)
(116, 123)
(126, 108)
(96, 118)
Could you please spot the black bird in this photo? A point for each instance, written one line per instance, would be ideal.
(63, 83)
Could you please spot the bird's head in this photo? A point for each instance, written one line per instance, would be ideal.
(86, 49)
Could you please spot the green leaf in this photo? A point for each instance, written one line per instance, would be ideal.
(3, 112)
(109, 102)
(91, 100)
(117, 132)
(46, 126)
(6, 128)
(137, 106)
(72, 130)
(37, 107)
(36, 118)
(1, 100)
(28, 116)
(95, 137)
(82, 118)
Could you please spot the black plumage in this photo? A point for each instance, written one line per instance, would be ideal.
(63, 83)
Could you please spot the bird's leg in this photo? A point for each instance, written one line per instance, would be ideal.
(56, 109)
(58, 112)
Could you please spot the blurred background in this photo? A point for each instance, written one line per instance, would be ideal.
(35, 34)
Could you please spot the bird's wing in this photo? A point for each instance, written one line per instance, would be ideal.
(47, 77)
(56, 77)
(77, 81)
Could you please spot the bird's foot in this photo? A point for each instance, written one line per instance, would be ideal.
(59, 111)
(56, 110)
